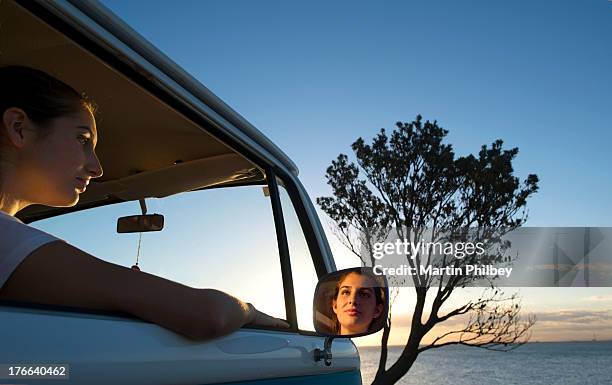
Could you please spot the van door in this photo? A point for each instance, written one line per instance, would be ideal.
(223, 238)
(100, 349)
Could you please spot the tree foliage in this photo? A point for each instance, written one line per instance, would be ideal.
(410, 180)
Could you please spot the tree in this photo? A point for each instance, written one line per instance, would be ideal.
(413, 182)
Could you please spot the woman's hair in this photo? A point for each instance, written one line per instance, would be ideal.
(41, 96)
(379, 293)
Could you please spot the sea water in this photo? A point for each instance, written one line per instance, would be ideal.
(542, 363)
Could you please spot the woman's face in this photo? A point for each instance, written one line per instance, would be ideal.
(57, 167)
(355, 306)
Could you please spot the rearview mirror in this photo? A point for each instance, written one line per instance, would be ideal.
(140, 223)
(351, 303)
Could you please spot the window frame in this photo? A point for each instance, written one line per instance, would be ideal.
(79, 312)
(309, 234)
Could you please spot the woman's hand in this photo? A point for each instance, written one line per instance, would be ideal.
(262, 319)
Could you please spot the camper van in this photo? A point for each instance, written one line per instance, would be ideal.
(191, 192)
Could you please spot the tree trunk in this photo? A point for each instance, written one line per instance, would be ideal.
(411, 350)
(399, 368)
(382, 363)
(396, 372)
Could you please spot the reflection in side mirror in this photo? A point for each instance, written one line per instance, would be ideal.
(351, 303)
(140, 223)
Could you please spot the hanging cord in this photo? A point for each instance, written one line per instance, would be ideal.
(135, 267)
(143, 208)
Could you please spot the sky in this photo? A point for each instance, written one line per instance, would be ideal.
(314, 76)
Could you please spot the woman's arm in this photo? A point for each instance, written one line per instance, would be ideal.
(60, 274)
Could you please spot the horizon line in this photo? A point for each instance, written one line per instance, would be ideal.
(529, 342)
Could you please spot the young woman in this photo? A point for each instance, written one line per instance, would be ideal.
(357, 303)
(48, 138)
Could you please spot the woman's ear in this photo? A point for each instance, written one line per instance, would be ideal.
(15, 122)
(334, 306)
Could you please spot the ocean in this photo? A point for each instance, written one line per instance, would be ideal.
(541, 363)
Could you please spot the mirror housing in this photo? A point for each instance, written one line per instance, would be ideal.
(351, 303)
(140, 223)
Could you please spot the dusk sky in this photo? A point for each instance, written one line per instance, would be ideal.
(314, 76)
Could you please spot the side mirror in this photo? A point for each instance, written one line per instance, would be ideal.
(351, 303)
(140, 223)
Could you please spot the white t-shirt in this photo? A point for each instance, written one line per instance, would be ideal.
(17, 241)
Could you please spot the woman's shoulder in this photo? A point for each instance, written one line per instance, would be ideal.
(9, 220)
(5, 217)
(17, 241)
(12, 230)
(9, 223)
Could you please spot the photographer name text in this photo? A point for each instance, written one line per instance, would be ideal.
(476, 270)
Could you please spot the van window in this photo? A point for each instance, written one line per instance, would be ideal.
(302, 266)
(220, 238)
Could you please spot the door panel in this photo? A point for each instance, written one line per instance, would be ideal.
(104, 349)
